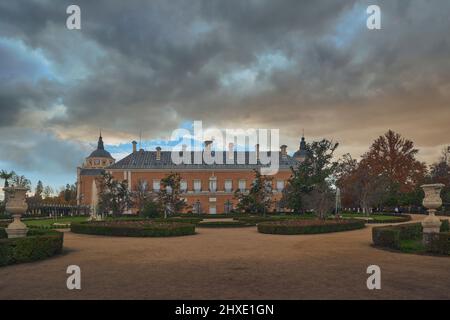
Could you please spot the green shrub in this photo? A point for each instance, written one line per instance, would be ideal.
(151, 210)
(394, 219)
(225, 224)
(386, 237)
(127, 228)
(440, 244)
(299, 226)
(394, 236)
(37, 245)
(445, 226)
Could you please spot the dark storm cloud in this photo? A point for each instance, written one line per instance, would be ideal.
(151, 65)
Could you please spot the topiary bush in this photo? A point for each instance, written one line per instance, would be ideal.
(225, 224)
(291, 227)
(37, 245)
(127, 228)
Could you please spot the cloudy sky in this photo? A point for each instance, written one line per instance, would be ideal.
(154, 66)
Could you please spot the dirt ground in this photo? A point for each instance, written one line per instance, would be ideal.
(229, 264)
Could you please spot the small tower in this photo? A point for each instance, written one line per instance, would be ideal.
(301, 153)
(99, 158)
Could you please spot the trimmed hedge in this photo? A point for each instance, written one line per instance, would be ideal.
(291, 227)
(440, 244)
(177, 219)
(212, 216)
(134, 228)
(393, 236)
(395, 219)
(225, 224)
(37, 245)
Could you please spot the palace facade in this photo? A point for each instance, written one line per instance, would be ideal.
(206, 188)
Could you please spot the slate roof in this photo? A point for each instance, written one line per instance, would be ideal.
(91, 172)
(147, 160)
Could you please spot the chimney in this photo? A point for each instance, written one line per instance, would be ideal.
(208, 144)
(283, 150)
(158, 153)
(231, 150)
(134, 143)
(257, 152)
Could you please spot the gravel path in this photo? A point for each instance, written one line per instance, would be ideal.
(229, 264)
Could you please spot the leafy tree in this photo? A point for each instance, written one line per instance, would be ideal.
(39, 190)
(21, 181)
(440, 173)
(142, 195)
(48, 192)
(259, 197)
(114, 195)
(310, 183)
(394, 157)
(5, 175)
(169, 196)
(360, 184)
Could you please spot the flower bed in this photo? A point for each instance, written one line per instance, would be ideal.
(225, 224)
(37, 245)
(137, 228)
(300, 226)
(408, 238)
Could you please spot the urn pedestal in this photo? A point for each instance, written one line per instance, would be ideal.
(432, 201)
(17, 206)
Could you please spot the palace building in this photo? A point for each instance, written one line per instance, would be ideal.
(206, 188)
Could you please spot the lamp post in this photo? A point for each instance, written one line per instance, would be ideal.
(17, 206)
(432, 201)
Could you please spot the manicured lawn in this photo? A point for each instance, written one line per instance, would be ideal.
(47, 223)
(376, 217)
(412, 246)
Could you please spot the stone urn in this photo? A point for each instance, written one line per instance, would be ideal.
(432, 201)
(17, 206)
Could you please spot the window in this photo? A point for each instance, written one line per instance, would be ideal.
(156, 185)
(242, 185)
(228, 185)
(169, 189)
(280, 185)
(228, 206)
(197, 185)
(213, 184)
(183, 185)
(97, 161)
(197, 207)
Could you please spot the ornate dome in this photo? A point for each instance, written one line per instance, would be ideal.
(301, 153)
(100, 152)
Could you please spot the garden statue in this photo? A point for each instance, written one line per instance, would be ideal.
(17, 206)
(432, 201)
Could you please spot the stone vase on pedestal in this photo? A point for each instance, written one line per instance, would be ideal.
(432, 201)
(17, 206)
